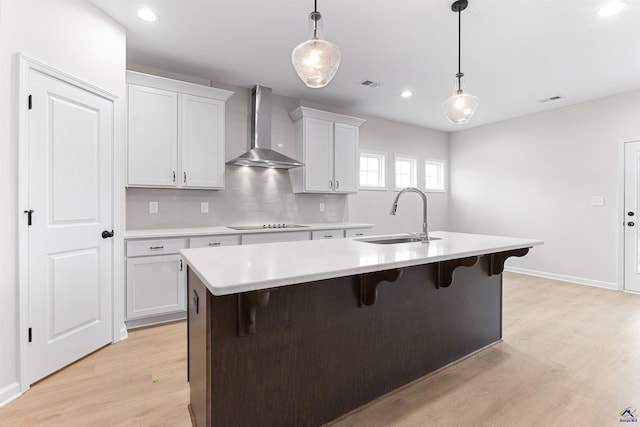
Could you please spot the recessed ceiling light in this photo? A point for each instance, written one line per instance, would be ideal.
(406, 94)
(147, 15)
(611, 8)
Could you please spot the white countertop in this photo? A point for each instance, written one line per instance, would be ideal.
(232, 269)
(220, 230)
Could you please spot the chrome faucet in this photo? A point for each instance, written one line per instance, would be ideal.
(394, 208)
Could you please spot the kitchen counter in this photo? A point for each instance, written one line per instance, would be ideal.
(248, 268)
(300, 333)
(222, 230)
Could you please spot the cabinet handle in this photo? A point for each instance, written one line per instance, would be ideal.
(196, 301)
(328, 236)
(184, 177)
(337, 184)
(330, 184)
(180, 265)
(174, 176)
(214, 244)
(359, 234)
(156, 247)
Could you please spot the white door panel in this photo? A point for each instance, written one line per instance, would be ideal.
(631, 235)
(70, 192)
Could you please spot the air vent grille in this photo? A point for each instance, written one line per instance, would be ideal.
(551, 98)
(372, 84)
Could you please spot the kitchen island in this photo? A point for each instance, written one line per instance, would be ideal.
(300, 333)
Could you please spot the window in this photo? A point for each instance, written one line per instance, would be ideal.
(372, 170)
(406, 172)
(434, 175)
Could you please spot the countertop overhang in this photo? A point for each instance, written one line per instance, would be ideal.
(234, 269)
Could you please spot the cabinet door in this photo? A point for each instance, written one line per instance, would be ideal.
(318, 162)
(327, 234)
(155, 285)
(346, 158)
(153, 137)
(201, 127)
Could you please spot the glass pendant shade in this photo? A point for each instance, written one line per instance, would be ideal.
(460, 107)
(316, 60)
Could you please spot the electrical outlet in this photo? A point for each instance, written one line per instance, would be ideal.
(597, 200)
(321, 207)
(204, 207)
(153, 207)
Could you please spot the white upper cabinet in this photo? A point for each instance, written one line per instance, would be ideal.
(153, 128)
(176, 133)
(328, 145)
(202, 141)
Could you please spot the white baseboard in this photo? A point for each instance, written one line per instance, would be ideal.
(9, 393)
(123, 333)
(562, 277)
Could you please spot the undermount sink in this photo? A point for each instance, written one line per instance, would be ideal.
(394, 238)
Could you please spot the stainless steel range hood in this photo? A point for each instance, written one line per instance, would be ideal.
(261, 154)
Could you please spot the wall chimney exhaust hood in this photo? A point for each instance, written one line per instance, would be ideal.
(261, 154)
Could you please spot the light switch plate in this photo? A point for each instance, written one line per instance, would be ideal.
(153, 207)
(321, 207)
(204, 207)
(597, 200)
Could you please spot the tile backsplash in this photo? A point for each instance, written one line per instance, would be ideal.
(251, 195)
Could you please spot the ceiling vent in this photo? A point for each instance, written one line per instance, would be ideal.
(552, 98)
(369, 83)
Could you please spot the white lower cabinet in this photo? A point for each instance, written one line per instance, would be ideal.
(156, 281)
(327, 234)
(155, 286)
(357, 232)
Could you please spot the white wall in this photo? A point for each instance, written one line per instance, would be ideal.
(373, 206)
(76, 38)
(534, 176)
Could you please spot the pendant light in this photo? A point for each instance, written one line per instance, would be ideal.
(460, 107)
(316, 60)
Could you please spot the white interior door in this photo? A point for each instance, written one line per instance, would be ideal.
(631, 198)
(70, 142)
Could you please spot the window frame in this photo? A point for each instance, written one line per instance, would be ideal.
(382, 176)
(442, 168)
(415, 162)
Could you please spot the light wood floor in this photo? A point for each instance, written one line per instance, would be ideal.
(570, 357)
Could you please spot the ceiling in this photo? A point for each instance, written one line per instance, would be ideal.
(514, 52)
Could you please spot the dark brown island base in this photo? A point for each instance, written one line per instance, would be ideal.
(305, 354)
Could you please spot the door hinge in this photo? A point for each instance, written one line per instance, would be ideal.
(29, 216)
(30, 102)
(30, 335)
(180, 265)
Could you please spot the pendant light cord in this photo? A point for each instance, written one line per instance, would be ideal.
(315, 19)
(459, 75)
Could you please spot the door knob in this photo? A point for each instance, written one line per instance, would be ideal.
(631, 224)
(106, 234)
(630, 213)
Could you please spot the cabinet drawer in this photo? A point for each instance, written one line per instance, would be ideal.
(249, 239)
(213, 241)
(155, 247)
(357, 232)
(327, 234)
